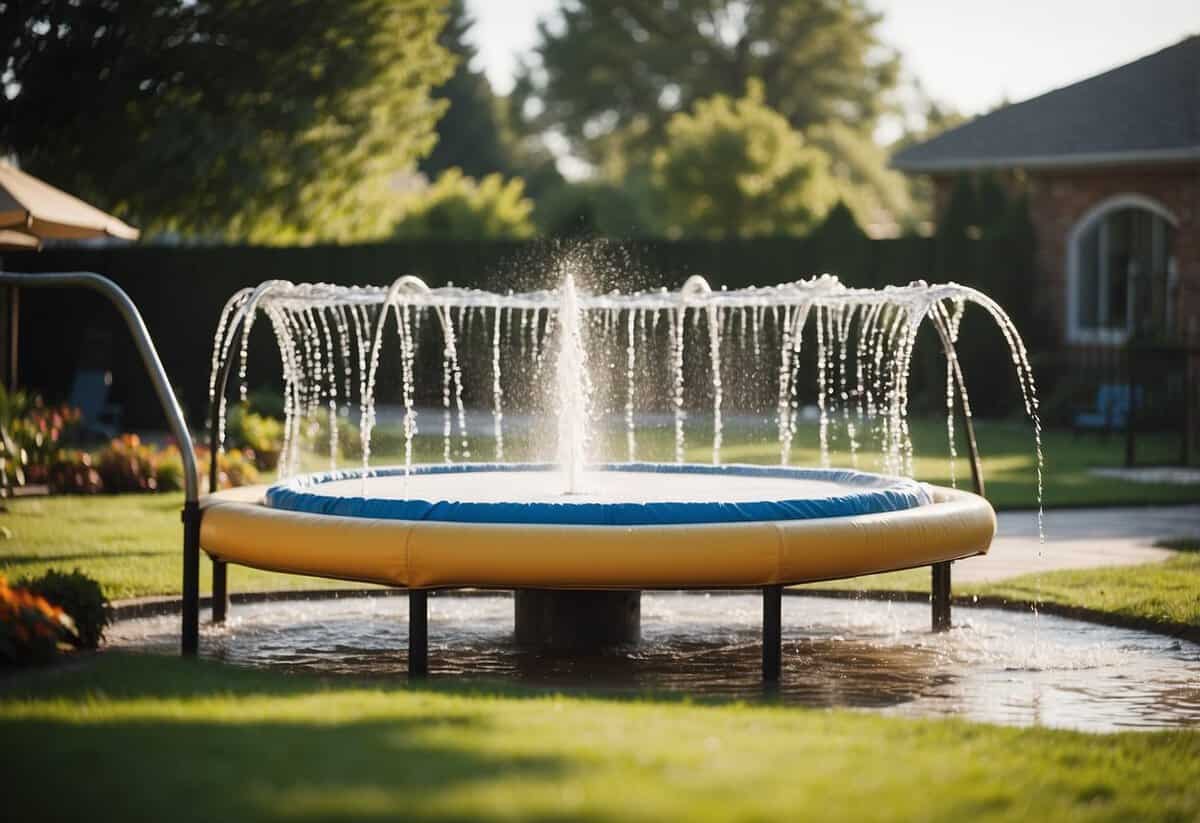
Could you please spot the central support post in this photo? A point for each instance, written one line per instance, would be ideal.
(418, 633)
(772, 633)
(569, 620)
(940, 581)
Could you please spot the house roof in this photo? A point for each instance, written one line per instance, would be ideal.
(1147, 111)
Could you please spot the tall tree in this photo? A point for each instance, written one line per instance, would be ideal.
(469, 134)
(735, 168)
(249, 119)
(619, 69)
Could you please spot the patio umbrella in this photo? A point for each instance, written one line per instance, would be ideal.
(12, 240)
(32, 211)
(36, 208)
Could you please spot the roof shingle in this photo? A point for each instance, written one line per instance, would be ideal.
(1144, 111)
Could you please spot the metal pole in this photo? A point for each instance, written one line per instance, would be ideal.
(940, 580)
(1131, 392)
(418, 633)
(220, 569)
(189, 642)
(175, 421)
(14, 334)
(940, 577)
(220, 590)
(772, 633)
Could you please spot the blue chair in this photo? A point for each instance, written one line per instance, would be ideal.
(89, 393)
(1111, 412)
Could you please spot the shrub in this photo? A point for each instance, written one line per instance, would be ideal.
(262, 434)
(235, 467)
(168, 471)
(31, 435)
(72, 472)
(461, 208)
(80, 597)
(128, 465)
(267, 402)
(32, 630)
(41, 433)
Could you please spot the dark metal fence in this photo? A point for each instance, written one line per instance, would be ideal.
(180, 291)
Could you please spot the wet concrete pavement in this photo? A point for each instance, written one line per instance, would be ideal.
(1079, 539)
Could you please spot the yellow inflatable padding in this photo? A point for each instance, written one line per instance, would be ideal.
(237, 528)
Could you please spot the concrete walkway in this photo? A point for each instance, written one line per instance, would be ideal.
(1079, 539)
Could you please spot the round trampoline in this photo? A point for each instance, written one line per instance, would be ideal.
(633, 526)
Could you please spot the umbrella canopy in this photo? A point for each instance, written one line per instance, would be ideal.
(32, 207)
(11, 240)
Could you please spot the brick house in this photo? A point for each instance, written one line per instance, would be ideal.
(1111, 169)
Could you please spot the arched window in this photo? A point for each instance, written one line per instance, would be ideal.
(1121, 271)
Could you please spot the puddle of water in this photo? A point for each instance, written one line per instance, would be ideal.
(862, 654)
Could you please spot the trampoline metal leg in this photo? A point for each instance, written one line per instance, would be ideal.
(772, 633)
(220, 591)
(418, 633)
(940, 580)
(190, 634)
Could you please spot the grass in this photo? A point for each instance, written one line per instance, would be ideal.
(156, 738)
(1166, 593)
(1180, 544)
(130, 543)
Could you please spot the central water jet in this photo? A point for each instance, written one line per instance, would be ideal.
(565, 620)
(572, 384)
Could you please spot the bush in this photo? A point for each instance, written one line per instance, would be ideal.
(72, 472)
(80, 597)
(456, 207)
(168, 473)
(32, 630)
(128, 465)
(235, 467)
(31, 435)
(262, 435)
(267, 402)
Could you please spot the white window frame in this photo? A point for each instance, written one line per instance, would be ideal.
(1111, 337)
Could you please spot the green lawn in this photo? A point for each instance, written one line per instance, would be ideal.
(148, 737)
(131, 543)
(155, 738)
(1165, 593)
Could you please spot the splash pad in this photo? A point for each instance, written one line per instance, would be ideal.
(552, 532)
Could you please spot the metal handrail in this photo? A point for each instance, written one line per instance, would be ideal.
(145, 346)
(175, 420)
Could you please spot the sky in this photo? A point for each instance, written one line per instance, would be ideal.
(970, 54)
